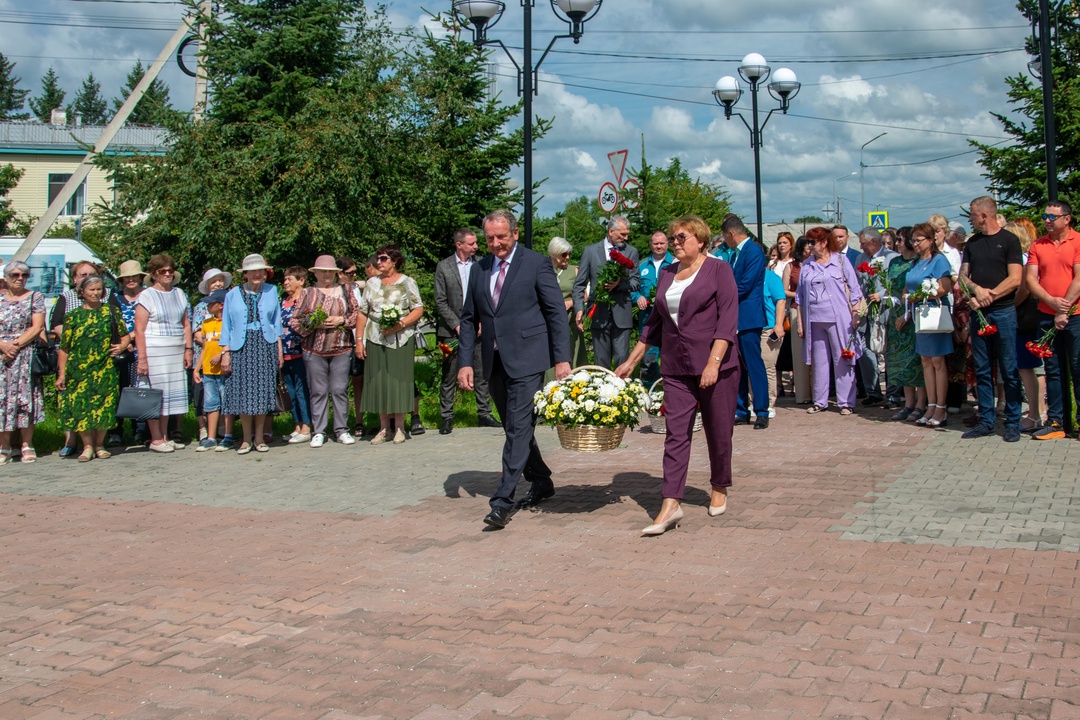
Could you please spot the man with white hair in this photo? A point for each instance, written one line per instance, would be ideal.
(611, 321)
(867, 364)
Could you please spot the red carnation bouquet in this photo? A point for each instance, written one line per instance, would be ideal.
(1041, 348)
(448, 348)
(985, 327)
(615, 269)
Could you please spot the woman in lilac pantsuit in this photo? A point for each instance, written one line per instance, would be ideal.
(826, 297)
(695, 324)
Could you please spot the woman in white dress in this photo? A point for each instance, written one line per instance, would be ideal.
(164, 341)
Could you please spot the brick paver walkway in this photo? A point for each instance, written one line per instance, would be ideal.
(864, 570)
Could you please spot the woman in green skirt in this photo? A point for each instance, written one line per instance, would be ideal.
(87, 382)
(389, 311)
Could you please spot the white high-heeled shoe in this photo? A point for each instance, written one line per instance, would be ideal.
(661, 528)
(715, 510)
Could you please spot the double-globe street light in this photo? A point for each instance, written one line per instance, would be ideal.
(482, 15)
(784, 86)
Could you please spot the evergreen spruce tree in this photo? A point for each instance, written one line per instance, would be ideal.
(154, 108)
(12, 98)
(88, 104)
(51, 97)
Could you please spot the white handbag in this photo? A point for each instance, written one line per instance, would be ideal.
(933, 317)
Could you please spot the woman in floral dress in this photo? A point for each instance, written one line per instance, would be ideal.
(901, 361)
(22, 400)
(87, 382)
(389, 348)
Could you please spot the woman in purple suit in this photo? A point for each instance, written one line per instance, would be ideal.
(695, 323)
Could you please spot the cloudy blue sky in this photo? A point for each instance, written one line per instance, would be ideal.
(926, 72)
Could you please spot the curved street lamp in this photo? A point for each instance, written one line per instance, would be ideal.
(784, 87)
(483, 15)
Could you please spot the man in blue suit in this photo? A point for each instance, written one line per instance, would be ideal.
(515, 297)
(748, 264)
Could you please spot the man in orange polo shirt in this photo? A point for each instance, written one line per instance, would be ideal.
(1053, 277)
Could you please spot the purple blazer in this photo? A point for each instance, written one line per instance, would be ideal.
(839, 281)
(709, 310)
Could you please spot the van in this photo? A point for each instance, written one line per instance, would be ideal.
(51, 263)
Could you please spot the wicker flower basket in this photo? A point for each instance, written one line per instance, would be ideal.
(659, 422)
(590, 438)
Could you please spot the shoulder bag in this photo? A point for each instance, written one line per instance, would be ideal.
(114, 337)
(933, 317)
(44, 357)
(140, 403)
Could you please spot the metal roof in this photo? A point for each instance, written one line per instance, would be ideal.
(35, 137)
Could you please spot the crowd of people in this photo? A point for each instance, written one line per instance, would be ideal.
(917, 321)
(243, 352)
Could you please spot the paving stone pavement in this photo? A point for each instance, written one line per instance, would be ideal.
(864, 570)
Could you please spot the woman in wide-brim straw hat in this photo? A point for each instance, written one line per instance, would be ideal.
(327, 349)
(251, 351)
(130, 276)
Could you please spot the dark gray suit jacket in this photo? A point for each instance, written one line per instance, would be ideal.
(621, 311)
(448, 296)
(529, 323)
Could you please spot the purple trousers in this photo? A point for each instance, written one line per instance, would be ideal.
(827, 344)
(682, 394)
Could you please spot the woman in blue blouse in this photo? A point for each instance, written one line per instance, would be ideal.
(251, 354)
(933, 348)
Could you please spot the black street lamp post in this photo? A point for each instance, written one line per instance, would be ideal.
(783, 88)
(483, 15)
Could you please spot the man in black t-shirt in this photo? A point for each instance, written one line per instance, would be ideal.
(991, 269)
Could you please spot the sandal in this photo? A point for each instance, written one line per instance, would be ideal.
(902, 415)
(262, 447)
(29, 454)
(916, 415)
(924, 420)
(102, 454)
(5, 457)
(244, 449)
(847, 411)
(87, 454)
(814, 409)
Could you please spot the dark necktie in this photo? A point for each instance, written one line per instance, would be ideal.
(499, 282)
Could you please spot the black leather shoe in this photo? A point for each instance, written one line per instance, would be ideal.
(762, 422)
(742, 420)
(447, 427)
(872, 400)
(417, 427)
(498, 517)
(536, 495)
(488, 421)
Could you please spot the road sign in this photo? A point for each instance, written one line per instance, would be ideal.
(879, 220)
(608, 197)
(631, 194)
(618, 164)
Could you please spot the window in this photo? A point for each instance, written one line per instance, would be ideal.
(75, 206)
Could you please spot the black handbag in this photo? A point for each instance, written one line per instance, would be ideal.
(114, 329)
(140, 403)
(283, 399)
(45, 359)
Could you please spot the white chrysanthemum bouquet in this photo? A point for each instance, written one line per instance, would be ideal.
(585, 398)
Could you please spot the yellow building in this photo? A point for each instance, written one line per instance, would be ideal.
(48, 155)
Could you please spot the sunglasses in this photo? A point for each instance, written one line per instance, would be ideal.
(18, 275)
(167, 271)
(1051, 218)
(350, 273)
(680, 238)
(383, 258)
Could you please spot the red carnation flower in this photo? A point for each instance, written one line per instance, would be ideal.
(988, 330)
(622, 259)
(866, 268)
(846, 354)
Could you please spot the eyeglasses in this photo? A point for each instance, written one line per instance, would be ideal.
(680, 238)
(1051, 218)
(383, 258)
(350, 273)
(919, 239)
(565, 254)
(167, 271)
(18, 275)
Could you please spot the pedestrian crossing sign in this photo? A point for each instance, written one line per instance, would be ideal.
(879, 220)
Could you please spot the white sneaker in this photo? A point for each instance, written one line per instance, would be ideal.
(772, 413)
(298, 438)
(346, 439)
(318, 440)
(164, 447)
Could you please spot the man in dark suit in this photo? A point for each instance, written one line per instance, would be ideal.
(749, 265)
(611, 322)
(514, 296)
(451, 280)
